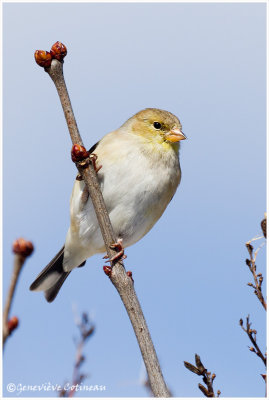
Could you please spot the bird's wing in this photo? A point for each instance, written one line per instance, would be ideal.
(93, 147)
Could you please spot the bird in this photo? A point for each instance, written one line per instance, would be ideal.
(138, 172)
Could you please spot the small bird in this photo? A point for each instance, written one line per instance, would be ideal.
(139, 175)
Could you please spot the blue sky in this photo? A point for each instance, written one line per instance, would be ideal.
(206, 64)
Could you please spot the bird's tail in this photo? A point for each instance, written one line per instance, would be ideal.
(52, 277)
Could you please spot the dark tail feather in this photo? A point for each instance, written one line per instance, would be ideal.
(51, 293)
(51, 278)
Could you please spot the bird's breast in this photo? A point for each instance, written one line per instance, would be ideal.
(136, 190)
(136, 184)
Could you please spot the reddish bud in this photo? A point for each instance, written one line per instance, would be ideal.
(12, 324)
(107, 270)
(22, 247)
(43, 58)
(78, 153)
(252, 349)
(130, 274)
(58, 51)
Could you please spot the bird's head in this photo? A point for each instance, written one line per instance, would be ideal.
(158, 126)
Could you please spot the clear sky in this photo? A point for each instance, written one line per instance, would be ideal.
(206, 64)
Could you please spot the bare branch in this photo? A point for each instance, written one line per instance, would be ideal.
(208, 378)
(22, 250)
(86, 329)
(252, 336)
(257, 286)
(122, 282)
(258, 278)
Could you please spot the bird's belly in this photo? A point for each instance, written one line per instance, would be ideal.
(132, 220)
(135, 200)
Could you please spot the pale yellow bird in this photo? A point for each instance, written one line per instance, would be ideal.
(139, 176)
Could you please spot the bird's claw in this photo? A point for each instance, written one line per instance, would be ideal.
(93, 157)
(120, 251)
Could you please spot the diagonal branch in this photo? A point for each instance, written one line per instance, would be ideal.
(118, 276)
(252, 337)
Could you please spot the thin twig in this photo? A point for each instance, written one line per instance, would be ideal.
(208, 378)
(118, 276)
(18, 263)
(252, 336)
(22, 250)
(258, 278)
(257, 286)
(86, 329)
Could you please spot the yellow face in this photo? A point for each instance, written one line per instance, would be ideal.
(157, 126)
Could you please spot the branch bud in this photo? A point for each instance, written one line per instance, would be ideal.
(58, 51)
(130, 274)
(12, 324)
(22, 247)
(241, 322)
(78, 153)
(107, 270)
(43, 58)
(252, 349)
(249, 246)
(264, 227)
(204, 390)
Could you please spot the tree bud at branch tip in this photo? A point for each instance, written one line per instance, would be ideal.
(22, 247)
(78, 153)
(58, 51)
(107, 270)
(43, 58)
(12, 324)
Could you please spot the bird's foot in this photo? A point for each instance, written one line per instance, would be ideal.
(93, 157)
(120, 251)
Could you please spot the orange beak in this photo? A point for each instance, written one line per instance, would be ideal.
(175, 135)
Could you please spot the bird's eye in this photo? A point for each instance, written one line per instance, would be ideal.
(157, 125)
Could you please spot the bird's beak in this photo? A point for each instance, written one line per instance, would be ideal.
(175, 135)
